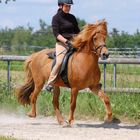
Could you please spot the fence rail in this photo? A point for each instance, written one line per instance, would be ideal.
(114, 61)
(124, 52)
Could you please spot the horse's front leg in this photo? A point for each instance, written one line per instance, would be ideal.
(74, 93)
(55, 102)
(106, 101)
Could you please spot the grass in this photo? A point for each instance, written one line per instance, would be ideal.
(128, 76)
(124, 106)
(6, 138)
(14, 65)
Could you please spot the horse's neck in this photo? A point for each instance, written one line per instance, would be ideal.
(84, 63)
(87, 53)
(87, 47)
(83, 58)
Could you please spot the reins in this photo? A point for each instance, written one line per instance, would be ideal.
(99, 47)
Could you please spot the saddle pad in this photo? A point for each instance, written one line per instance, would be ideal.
(64, 67)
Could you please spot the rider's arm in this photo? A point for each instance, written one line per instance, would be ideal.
(61, 38)
(55, 27)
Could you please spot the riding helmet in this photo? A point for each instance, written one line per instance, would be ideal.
(65, 1)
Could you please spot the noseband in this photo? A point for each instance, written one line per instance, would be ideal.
(99, 47)
(95, 50)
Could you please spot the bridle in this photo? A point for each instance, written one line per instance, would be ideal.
(95, 50)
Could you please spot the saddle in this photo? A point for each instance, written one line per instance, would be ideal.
(64, 67)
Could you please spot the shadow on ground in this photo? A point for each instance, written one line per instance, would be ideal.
(116, 124)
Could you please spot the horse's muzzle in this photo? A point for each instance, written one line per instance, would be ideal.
(104, 56)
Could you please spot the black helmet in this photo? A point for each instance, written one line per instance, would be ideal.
(65, 1)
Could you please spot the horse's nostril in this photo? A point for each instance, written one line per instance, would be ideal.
(104, 56)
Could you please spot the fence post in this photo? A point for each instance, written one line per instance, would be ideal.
(8, 76)
(115, 75)
(104, 76)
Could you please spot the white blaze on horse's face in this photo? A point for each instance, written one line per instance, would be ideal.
(100, 44)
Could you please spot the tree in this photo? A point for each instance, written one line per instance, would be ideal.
(81, 23)
(44, 36)
(6, 1)
(113, 39)
(21, 40)
(137, 39)
(5, 38)
(43, 25)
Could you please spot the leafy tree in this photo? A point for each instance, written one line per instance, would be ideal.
(6, 1)
(126, 40)
(43, 25)
(137, 39)
(21, 40)
(43, 36)
(5, 38)
(81, 23)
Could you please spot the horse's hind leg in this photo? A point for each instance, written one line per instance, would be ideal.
(106, 101)
(55, 102)
(33, 98)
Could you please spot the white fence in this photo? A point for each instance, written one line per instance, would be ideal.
(125, 52)
(114, 61)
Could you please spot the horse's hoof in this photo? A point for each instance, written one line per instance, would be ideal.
(66, 124)
(31, 115)
(108, 120)
(61, 122)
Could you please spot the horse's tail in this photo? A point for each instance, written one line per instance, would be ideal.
(25, 91)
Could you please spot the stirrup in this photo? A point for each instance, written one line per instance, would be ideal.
(49, 88)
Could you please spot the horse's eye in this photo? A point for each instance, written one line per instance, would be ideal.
(94, 38)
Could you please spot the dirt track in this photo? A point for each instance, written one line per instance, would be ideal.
(42, 128)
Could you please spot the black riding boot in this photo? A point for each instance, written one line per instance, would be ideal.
(49, 88)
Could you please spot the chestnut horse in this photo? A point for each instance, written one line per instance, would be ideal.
(83, 71)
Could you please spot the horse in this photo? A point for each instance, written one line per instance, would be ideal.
(83, 72)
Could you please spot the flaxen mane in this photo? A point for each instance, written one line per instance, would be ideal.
(84, 38)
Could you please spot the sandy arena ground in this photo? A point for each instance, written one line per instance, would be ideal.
(47, 128)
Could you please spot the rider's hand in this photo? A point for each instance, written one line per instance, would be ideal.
(69, 45)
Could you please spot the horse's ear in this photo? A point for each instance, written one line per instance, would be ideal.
(98, 22)
(104, 21)
(87, 26)
(101, 21)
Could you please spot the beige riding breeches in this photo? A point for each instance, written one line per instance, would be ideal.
(60, 53)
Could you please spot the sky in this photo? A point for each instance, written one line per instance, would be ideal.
(121, 14)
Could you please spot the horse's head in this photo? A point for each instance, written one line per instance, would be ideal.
(99, 40)
(93, 39)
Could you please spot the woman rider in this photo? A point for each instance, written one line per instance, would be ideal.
(64, 26)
